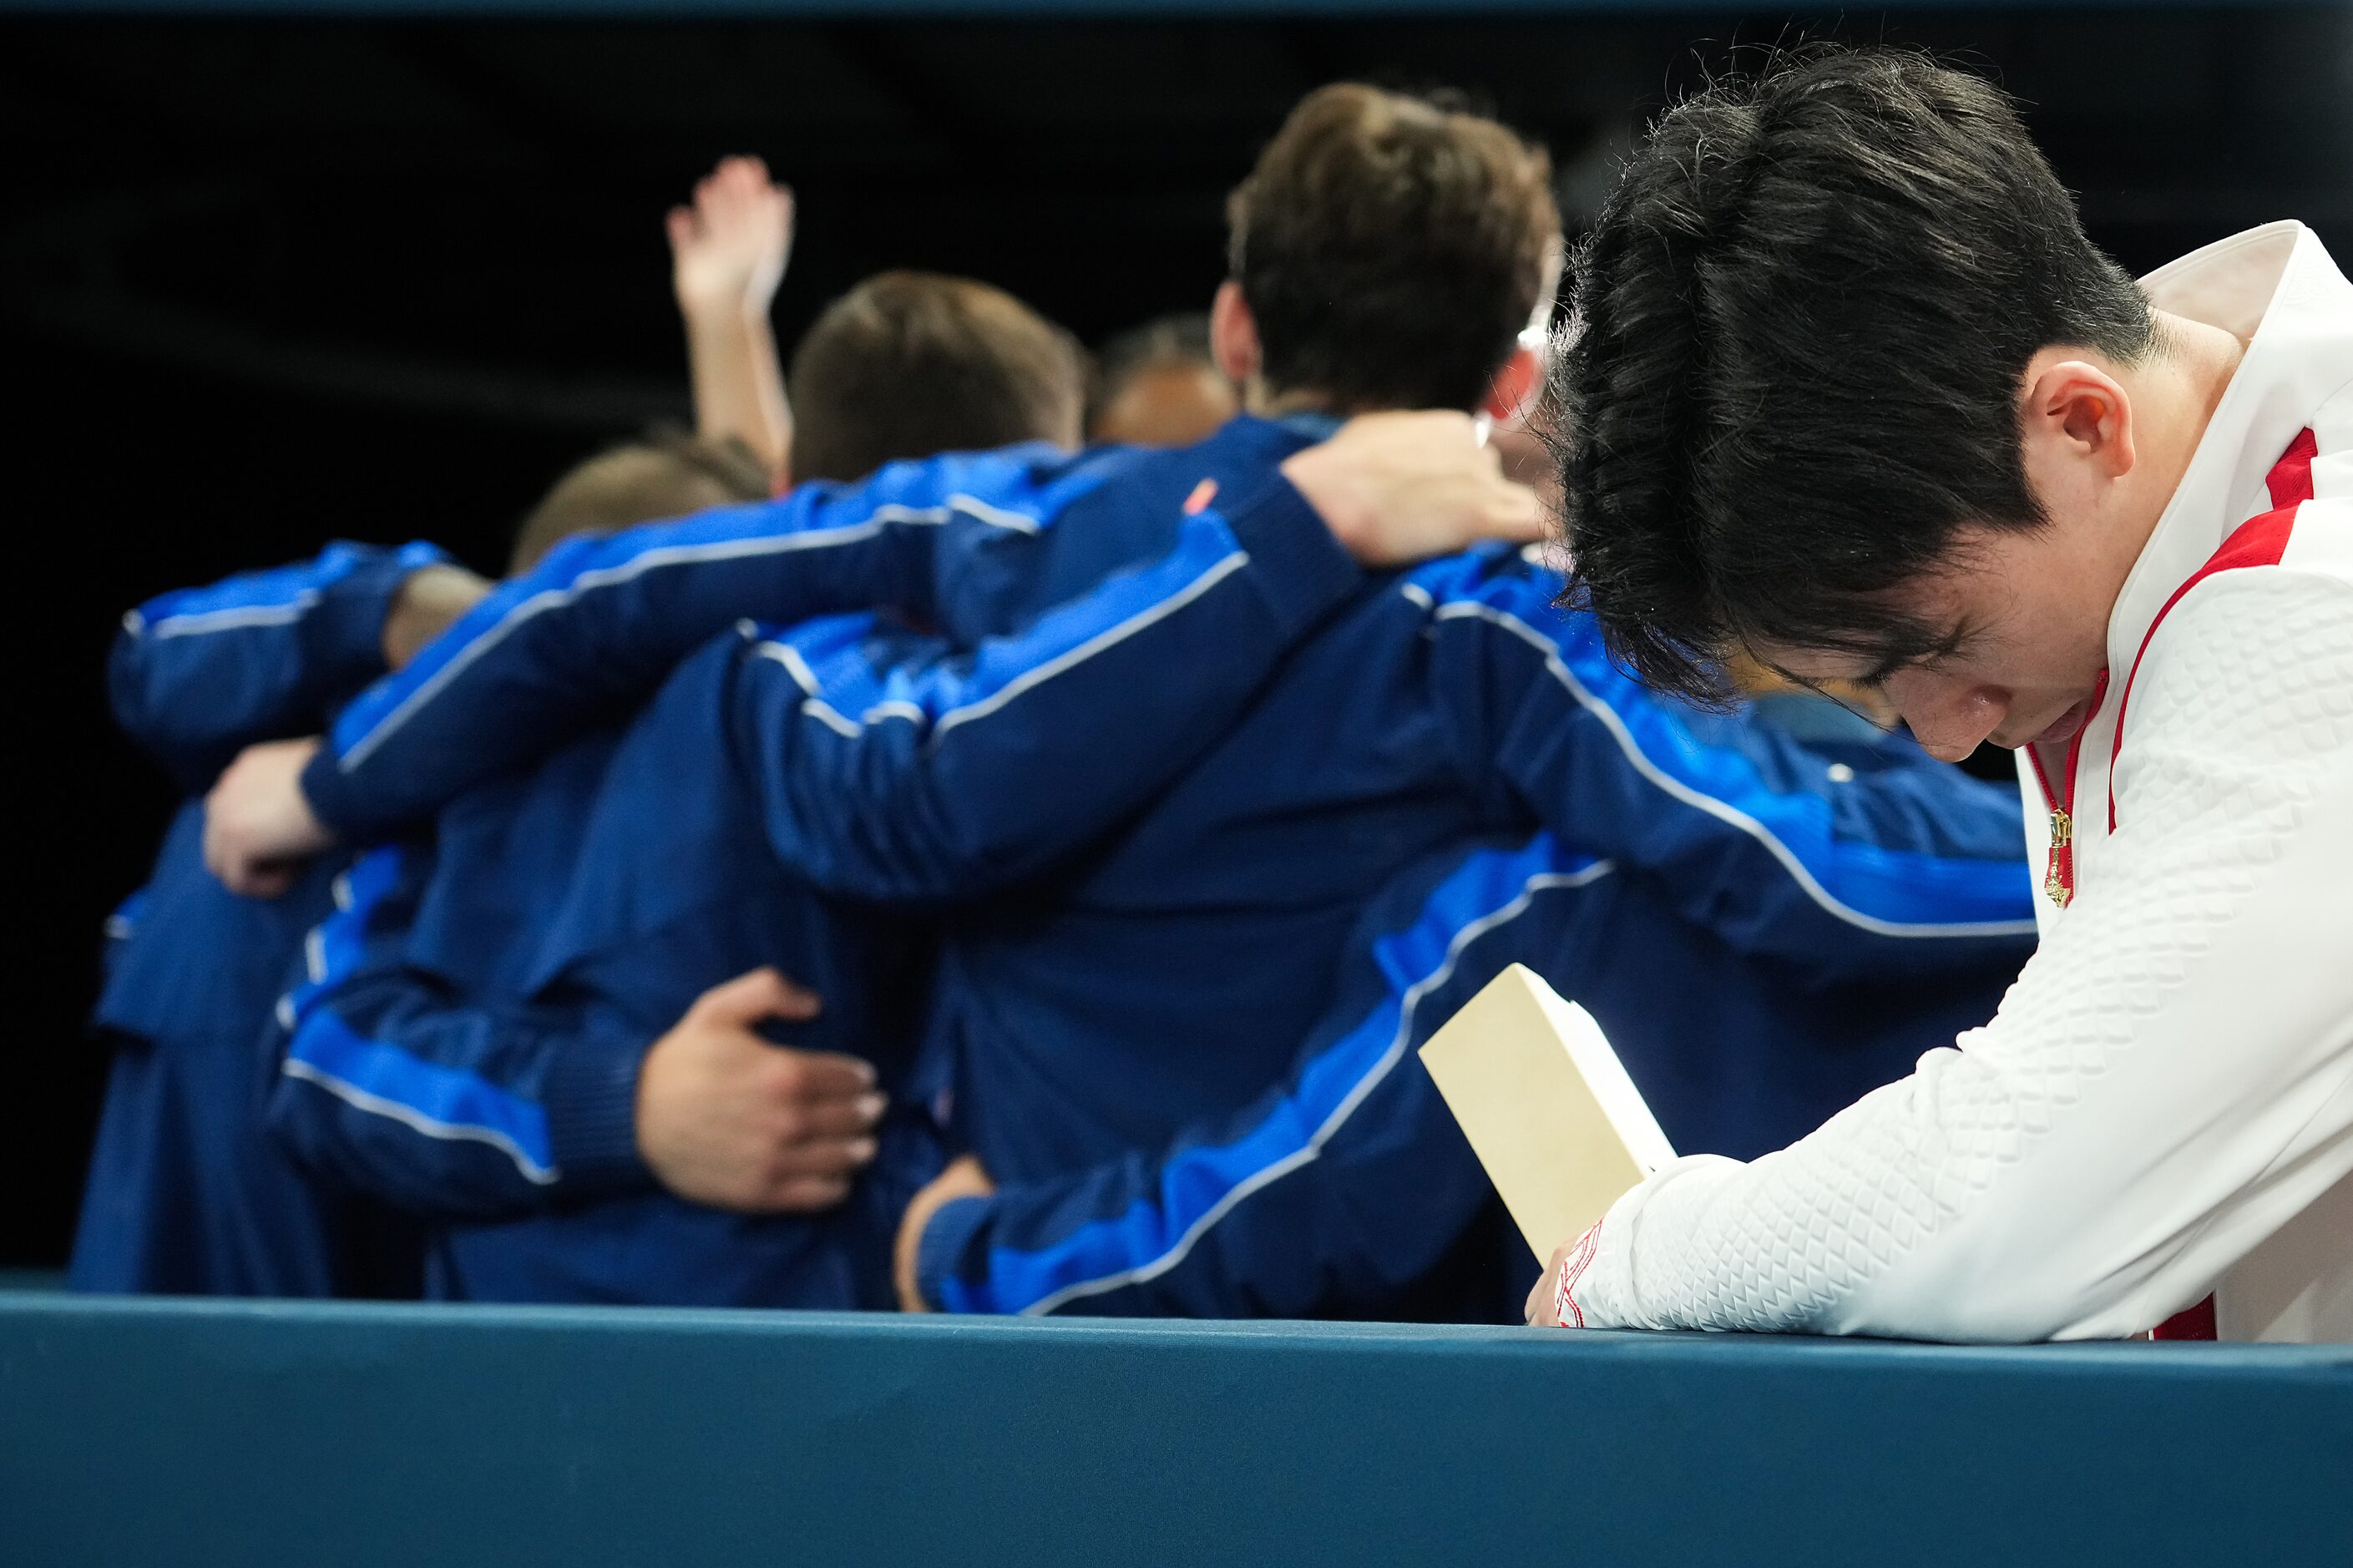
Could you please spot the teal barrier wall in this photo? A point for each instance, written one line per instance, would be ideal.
(189, 1433)
(1092, 10)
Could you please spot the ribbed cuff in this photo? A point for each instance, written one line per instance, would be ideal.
(330, 799)
(946, 1239)
(591, 1101)
(1300, 569)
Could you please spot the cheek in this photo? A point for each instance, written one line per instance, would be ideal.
(2045, 622)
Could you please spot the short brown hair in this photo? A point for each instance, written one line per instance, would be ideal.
(1391, 248)
(662, 474)
(910, 363)
(1158, 384)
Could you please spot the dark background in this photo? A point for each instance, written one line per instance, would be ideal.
(263, 283)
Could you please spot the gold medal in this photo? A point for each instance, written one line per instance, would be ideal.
(2058, 883)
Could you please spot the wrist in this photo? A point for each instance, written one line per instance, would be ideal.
(1299, 565)
(343, 637)
(590, 1098)
(1342, 510)
(720, 310)
(326, 795)
(947, 1237)
(428, 601)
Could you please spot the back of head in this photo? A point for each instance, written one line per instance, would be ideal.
(910, 363)
(639, 481)
(1801, 325)
(1159, 385)
(1390, 249)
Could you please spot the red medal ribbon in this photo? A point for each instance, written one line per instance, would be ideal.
(2259, 541)
(2058, 877)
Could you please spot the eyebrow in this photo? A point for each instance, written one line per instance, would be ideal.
(1945, 647)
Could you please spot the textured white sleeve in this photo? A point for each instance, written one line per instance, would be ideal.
(2164, 1086)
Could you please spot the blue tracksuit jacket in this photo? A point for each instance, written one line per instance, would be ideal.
(1346, 1189)
(466, 1043)
(1186, 748)
(187, 1195)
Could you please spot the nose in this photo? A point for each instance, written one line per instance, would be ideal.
(1949, 718)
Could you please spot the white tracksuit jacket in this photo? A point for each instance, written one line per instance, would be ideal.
(2163, 1106)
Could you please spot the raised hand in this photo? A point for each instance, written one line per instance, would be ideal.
(728, 1118)
(1403, 486)
(728, 249)
(727, 255)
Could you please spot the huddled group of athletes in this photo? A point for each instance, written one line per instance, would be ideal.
(987, 831)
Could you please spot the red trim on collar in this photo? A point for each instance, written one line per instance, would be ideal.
(2260, 541)
(2290, 480)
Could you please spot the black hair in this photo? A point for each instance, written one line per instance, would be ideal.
(1790, 376)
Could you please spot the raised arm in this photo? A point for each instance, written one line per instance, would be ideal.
(2150, 1104)
(728, 252)
(952, 775)
(1845, 868)
(197, 674)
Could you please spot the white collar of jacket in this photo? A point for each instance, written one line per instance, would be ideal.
(2276, 288)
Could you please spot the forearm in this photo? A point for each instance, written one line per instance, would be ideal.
(2141, 1113)
(604, 618)
(393, 1081)
(964, 774)
(1269, 1221)
(196, 675)
(1334, 1191)
(452, 1111)
(428, 602)
(1839, 871)
(739, 388)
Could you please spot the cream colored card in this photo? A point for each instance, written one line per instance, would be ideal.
(1547, 1105)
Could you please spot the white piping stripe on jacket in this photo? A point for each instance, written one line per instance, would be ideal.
(352, 1095)
(805, 678)
(1707, 803)
(1407, 1006)
(1216, 572)
(198, 622)
(720, 550)
(833, 719)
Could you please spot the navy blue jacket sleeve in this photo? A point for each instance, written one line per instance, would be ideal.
(949, 778)
(1330, 1194)
(1779, 850)
(199, 674)
(603, 618)
(393, 1081)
